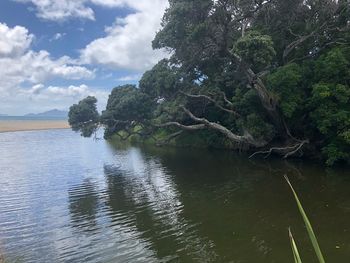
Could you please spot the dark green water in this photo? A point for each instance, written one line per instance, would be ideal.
(68, 199)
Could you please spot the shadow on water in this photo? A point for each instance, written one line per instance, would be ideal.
(240, 208)
(147, 197)
(83, 205)
(101, 202)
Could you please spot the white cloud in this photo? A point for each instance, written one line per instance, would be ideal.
(110, 3)
(60, 10)
(14, 41)
(19, 64)
(127, 78)
(71, 91)
(58, 92)
(37, 67)
(21, 67)
(40, 98)
(36, 89)
(57, 36)
(128, 43)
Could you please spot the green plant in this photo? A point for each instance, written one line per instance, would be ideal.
(295, 250)
(309, 229)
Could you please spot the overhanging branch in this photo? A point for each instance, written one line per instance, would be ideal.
(181, 126)
(246, 139)
(200, 96)
(286, 151)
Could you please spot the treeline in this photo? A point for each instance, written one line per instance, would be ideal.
(265, 76)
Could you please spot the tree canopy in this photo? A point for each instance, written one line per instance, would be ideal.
(267, 76)
(84, 116)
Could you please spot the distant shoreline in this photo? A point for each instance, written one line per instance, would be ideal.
(32, 118)
(32, 125)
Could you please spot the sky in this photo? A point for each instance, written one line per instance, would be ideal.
(55, 53)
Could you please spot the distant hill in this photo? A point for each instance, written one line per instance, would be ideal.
(3, 115)
(50, 114)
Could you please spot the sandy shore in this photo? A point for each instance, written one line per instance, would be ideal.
(31, 125)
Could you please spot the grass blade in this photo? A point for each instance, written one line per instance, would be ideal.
(296, 254)
(309, 229)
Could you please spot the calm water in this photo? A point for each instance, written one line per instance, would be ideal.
(68, 199)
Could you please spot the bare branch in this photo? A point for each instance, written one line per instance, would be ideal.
(253, 12)
(285, 151)
(182, 126)
(300, 40)
(296, 150)
(226, 99)
(247, 139)
(321, 48)
(211, 100)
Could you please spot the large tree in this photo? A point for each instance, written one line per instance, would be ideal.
(84, 117)
(269, 76)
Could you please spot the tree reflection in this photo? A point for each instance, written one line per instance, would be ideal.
(141, 189)
(83, 205)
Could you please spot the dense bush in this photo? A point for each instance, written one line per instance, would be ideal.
(267, 76)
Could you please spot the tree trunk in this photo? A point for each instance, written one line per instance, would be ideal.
(267, 100)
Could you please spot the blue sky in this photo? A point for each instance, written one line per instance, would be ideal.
(54, 53)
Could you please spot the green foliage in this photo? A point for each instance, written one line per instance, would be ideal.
(160, 81)
(331, 116)
(246, 101)
(252, 67)
(332, 108)
(126, 105)
(258, 127)
(330, 103)
(333, 67)
(295, 250)
(84, 116)
(309, 229)
(183, 21)
(285, 82)
(255, 49)
(335, 152)
(202, 139)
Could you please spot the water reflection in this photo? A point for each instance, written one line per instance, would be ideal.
(141, 189)
(83, 205)
(68, 199)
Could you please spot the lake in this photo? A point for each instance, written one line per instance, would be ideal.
(64, 198)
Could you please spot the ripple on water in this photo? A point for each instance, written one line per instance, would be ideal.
(64, 198)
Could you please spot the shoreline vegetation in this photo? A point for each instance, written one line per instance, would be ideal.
(31, 125)
(262, 77)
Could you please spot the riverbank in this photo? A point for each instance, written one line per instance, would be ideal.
(31, 125)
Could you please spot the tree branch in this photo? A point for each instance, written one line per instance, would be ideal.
(247, 139)
(211, 100)
(285, 151)
(300, 40)
(182, 126)
(226, 99)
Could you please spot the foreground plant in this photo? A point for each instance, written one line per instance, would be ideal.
(295, 250)
(309, 229)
